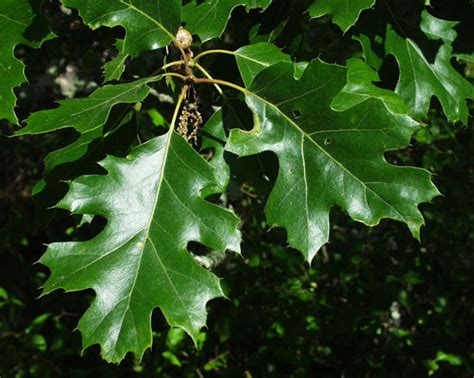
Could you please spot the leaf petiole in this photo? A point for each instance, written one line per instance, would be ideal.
(205, 73)
(181, 97)
(209, 52)
(227, 84)
(174, 74)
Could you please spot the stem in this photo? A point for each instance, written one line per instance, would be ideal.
(209, 52)
(165, 66)
(179, 76)
(203, 70)
(181, 97)
(226, 84)
(171, 64)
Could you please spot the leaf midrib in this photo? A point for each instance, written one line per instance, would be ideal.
(146, 15)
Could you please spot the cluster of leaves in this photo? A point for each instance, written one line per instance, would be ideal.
(328, 125)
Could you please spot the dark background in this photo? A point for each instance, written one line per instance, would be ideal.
(374, 303)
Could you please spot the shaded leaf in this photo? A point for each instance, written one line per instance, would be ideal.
(344, 12)
(253, 59)
(149, 25)
(255, 37)
(15, 17)
(420, 80)
(114, 69)
(214, 138)
(327, 157)
(86, 114)
(209, 18)
(39, 31)
(370, 57)
(154, 205)
(81, 146)
(360, 88)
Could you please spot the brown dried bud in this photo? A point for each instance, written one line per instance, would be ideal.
(189, 122)
(184, 38)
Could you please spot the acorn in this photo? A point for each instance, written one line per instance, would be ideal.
(184, 38)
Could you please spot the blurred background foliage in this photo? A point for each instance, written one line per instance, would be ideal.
(375, 303)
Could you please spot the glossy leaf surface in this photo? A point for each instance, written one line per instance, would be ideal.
(154, 205)
(327, 157)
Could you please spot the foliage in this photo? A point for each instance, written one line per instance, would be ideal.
(146, 162)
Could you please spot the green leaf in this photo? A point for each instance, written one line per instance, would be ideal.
(253, 59)
(370, 57)
(360, 88)
(209, 18)
(420, 80)
(39, 31)
(344, 12)
(154, 203)
(86, 114)
(171, 357)
(255, 37)
(15, 17)
(451, 359)
(82, 145)
(214, 138)
(467, 58)
(327, 157)
(148, 24)
(437, 29)
(114, 69)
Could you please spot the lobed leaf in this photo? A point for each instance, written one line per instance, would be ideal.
(114, 69)
(329, 157)
(148, 24)
(420, 80)
(154, 205)
(15, 17)
(85, 115)
(253, 59)
(360, 87)
(208, 19)
(369, 55)
(344, 12)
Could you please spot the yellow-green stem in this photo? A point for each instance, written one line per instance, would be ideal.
(173, 74)
(168, 65)
(209, 52)
(171, 64)
(181, 97)
(226, 84)
(205, 73)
